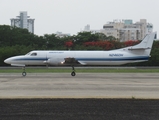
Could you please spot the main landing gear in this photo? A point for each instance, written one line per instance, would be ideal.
(73, 71)
(24, 73)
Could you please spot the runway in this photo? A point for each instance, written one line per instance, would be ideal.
(83, 85)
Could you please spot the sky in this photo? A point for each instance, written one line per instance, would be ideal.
(70, 16)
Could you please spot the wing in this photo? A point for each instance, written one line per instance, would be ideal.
(72, 61)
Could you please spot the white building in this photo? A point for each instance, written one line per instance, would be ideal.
(23, 21)
(87, 29)
(127, 30)
(60, 34)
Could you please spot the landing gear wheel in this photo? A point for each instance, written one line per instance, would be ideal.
(24, 74)
(73, 73)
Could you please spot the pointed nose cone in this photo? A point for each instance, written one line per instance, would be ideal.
(7, 61)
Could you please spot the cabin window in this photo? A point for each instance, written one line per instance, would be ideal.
(34, 54)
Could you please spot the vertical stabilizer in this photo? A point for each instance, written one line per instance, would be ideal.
(146, 43)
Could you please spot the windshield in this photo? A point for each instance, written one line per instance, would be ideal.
(28, 53)
(31, 54)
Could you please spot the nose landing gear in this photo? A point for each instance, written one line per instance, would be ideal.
(24, 73)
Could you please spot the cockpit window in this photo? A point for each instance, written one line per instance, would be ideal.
(34, 54)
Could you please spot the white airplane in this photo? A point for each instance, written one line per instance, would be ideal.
(131, 54)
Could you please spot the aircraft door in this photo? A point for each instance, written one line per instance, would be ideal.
(52, 58)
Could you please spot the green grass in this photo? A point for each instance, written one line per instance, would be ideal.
(79, 70)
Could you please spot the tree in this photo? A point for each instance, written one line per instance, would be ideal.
(85, 37)
(101, 36)
(131, 42)
(68, 44)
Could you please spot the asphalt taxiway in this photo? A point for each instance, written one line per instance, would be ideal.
(83, 85)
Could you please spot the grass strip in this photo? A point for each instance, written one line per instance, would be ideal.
(79, 70)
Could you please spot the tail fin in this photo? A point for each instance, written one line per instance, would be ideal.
(146, 43)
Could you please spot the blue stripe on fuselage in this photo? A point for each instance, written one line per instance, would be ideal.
(29, 59)
(91, 59)
(114, 59)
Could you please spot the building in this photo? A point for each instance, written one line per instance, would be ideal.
(61, 35)
(124, 30)
(23, 21)
(127, 30)
(87, 29)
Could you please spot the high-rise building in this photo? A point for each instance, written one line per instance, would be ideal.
(87, 28)
(124, 30)
(127, 30)
(23, 21)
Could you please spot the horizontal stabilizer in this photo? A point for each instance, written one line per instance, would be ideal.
(138, 48)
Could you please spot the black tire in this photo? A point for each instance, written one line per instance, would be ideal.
(24, 74)
(73, 73)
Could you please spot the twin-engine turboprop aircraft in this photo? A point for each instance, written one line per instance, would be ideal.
(136, 53)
